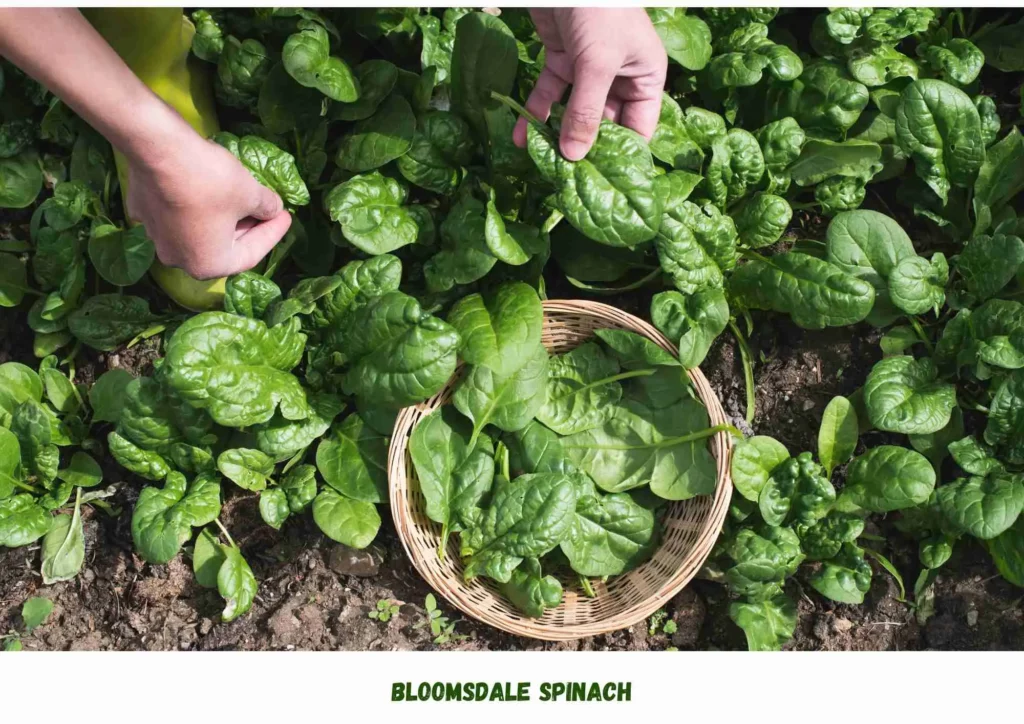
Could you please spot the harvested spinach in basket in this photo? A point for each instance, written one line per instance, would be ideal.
(557, 464)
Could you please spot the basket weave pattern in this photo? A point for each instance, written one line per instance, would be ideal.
(689, 530)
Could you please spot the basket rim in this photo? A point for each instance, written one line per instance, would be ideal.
(399, 485)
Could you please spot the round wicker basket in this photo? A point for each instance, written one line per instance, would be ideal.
(690, 527)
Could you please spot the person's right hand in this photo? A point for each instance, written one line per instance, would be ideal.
(203, 210)
(616, 64)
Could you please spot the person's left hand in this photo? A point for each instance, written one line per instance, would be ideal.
(616, 64)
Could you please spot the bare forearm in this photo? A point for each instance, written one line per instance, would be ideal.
(60, 49)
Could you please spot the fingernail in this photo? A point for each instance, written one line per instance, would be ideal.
(574, 150)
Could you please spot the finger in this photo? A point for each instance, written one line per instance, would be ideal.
(641, 116)
(244, 225)
(546, 92)
(613, 109)
(583, 113)
(262, 203)
(257, 242)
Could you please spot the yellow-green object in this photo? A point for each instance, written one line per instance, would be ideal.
(155, 43)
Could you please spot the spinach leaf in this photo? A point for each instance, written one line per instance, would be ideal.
(582, 388)
(610, 534)
(917, 285)
(237, 369)
(986, 506)
(609, 195)
(370, 209)
(634, 351)
(351, 522)
(121, 256)
(274, 508)
(691, 265)
(753, 461)
(21, 180)
(536, 449)
(508, 402)
(526, 518)
(957, 60)
(248, 469)
(815, 292)
(306, 56)
(1007, 551)
(164, 517)
(64, 547)
(361, 282)
(375, 80)
(903, 394)
(987, 264)
(768, 624)
(824, 539)
(796, 491)
(379, 139)
(764, 557)
(692, 322)
(737, 164)
(687, 38)
(1000, 178)
(441, 146)
(454, 478)
(268, 164)
(845, 578)
(1006, 417)
(837, 436)
(107, 395)
(938, 126)
(250, 294)
(484, 61)
(208, 556)
(665, 448)
(106, 321)
(530, 591)
(671, 142)
(22, 521)
(241, 69)
(501, 329)
(762, 220)
(400, 355)
(887, 478)
(869, 245)
(299, 486)
(236, 584)
(353, 461)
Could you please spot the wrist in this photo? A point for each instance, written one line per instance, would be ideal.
(153, 134)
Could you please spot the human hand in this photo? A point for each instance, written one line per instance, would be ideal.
(203, 210)
(616, 64)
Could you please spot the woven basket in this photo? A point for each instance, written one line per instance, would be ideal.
(690, 527)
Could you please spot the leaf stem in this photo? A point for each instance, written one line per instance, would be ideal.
(517, 108)
(588, 590)
(226, 534)
(295, 460)
(616, 290)
(888, 566)
(26, 486)
(667, 442)
(920, 333)
(551, 222)
(747, 360)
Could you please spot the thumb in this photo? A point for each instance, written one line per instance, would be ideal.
(257, 241)
(262, 203)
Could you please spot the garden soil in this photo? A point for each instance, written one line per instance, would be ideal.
(316, 595)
